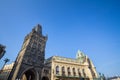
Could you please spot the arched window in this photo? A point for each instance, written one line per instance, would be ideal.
(79, 73)
(57, 69)
(74, 73)
(63, 70)
(68, 69)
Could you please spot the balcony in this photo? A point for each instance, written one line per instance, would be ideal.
(67, 76)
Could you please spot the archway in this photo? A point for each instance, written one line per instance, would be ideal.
(29, 75)
(45, 78)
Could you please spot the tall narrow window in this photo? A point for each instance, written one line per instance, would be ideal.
(74, 73)
(84, 72)
(57, 69)
(79, 73)
(68, 69)
(63, 71)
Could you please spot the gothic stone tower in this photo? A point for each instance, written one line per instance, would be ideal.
(30, 60)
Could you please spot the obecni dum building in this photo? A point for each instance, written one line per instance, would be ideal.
(62, 68)
(30, 63)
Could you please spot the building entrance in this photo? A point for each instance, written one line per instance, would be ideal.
(29, 75)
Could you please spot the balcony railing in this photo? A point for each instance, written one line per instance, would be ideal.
(68, 76)
(75, 77)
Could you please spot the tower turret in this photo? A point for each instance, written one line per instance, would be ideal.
(38, 29)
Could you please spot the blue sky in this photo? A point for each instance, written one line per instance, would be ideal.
(92, 26)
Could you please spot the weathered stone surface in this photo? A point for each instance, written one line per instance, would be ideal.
(61, 68)
(30, 57)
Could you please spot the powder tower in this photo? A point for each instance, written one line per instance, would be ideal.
(30, 60)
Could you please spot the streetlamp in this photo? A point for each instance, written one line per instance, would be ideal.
(6, 60)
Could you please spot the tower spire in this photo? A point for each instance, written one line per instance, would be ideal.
(38, 29)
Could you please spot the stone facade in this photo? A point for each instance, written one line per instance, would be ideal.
(6, 71)
(30, 60)
(61, 68)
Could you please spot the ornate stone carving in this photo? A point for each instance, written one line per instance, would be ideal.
(31, 54)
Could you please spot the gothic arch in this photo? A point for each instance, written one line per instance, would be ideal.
(29, 74)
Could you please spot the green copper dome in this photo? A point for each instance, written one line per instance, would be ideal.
(80, 56)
